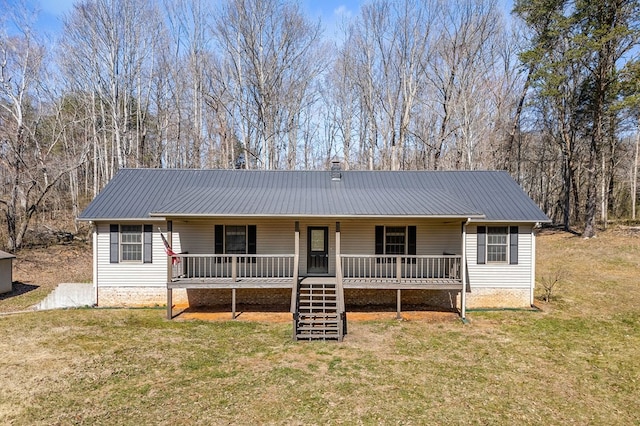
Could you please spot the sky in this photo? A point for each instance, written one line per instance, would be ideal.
(331, 12)
(334, 14)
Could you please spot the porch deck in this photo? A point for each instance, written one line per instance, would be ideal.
(348, 283)
(411, 284)
(223, 283)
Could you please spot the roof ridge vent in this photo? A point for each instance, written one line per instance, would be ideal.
(336, 173)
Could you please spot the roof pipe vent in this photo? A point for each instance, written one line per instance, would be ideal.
(336, 173)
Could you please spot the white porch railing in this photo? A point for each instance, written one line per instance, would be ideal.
(232, 266)
(400, 268)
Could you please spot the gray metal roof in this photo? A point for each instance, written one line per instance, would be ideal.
(145, 193)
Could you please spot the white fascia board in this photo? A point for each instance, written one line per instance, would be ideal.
(124, 219)
(315, 216)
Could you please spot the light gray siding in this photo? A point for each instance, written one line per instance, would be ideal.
(274, 236)
(130, 274)
(500, 275)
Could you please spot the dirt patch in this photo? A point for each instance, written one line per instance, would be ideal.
(37, 271)
(184, 313)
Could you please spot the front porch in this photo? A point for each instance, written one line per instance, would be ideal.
(307, 271)
(365, 272)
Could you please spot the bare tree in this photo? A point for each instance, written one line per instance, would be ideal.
(270, 53)
(110, 48)
(29, 137)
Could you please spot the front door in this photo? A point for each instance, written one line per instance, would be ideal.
(318, 250)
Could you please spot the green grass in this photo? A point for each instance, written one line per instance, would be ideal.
(573, 362)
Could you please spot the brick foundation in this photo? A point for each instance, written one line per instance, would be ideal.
(498, 298)
(280, 299)
(134, 297)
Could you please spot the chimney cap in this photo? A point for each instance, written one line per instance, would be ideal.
(335, 170)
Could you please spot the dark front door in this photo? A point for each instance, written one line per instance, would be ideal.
(318, 250)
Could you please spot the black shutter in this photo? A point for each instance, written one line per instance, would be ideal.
(379, 239)
(482, 245)
(114, 248)
(147, 251)
(252, 241)
(219, 239)
(513, 245)
(411, 241)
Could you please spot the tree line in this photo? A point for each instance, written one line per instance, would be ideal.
(548, 91)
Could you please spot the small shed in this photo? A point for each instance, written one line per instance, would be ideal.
(6, 260)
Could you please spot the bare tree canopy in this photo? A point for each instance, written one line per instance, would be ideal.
(549, 93)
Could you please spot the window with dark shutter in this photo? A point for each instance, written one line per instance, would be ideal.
(114, 247)
(513, 245)
(148, 241)
(131, 243)
(379, 239)
(411, 241)
(235, 239)
(219, 239)
(251, 239)
(482, 245)
(497, 244)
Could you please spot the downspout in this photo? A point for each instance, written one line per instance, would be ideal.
(463, 271)
(95, 260)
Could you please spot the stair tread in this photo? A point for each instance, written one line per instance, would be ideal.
(318, 317)
(317, 330)
(318, 337)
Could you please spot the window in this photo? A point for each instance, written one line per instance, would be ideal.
(396, 240)
(235, 239)
(497, 243)
(130, 243)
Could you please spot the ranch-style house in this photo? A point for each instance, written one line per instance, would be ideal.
(320, 243)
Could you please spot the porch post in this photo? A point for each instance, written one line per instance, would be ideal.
(296, 266)
(233, 303)
(399, 303)
(339, 290)
(463, 272)
(169, 270)
(339, 271)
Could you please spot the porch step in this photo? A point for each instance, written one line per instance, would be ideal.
(317, 316)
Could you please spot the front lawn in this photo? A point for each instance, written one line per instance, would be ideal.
(573, 362)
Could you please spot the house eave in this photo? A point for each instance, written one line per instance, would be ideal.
(476, 220)
(121, 219)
